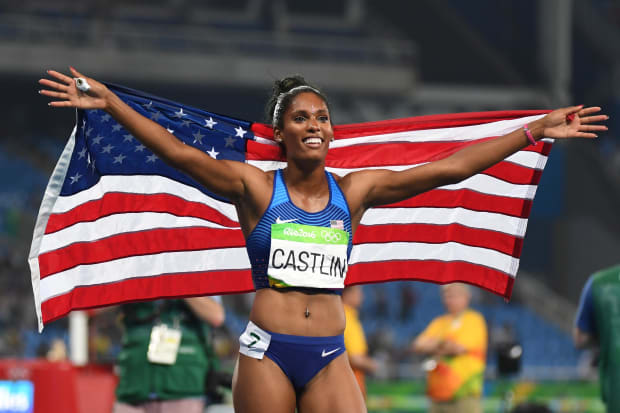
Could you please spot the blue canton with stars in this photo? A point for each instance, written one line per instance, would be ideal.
(104, 147)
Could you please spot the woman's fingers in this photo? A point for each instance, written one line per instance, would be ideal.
(60, 76)
(583, 128)
(61, 104)
(589, 110)
(74, 72)
(593, 119)
(53, 94)
(52, 84)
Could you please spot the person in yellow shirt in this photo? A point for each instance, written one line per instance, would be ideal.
(354, 338)
(457, 343)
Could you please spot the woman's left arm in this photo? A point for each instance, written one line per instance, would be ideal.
(379, 187)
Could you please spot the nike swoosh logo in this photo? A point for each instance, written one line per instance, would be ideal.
(284, 221)
(327, 353)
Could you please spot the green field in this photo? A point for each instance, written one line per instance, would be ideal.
(499, 396)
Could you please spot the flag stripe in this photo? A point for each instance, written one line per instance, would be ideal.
(137, 243)
(163, 286)
(475, 201)
(112, 224)
(115, 203)
(222, 259)
(142, 184)
(436, 234)
(438, 272)
(446, 252)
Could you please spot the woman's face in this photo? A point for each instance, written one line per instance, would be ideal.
(307, 128)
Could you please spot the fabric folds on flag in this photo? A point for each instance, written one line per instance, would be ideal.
(117, 224)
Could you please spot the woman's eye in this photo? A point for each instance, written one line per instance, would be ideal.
(324, 118)
(299, 118)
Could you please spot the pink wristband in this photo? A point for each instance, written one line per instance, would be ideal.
(528, 133)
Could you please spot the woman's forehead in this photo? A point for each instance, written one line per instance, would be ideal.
(308, 101)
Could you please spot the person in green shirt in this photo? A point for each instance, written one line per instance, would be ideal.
(166, 355)
(597, 324)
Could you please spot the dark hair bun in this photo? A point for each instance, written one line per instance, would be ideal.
(288, 83)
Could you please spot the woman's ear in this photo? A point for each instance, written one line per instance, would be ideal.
(277, 135)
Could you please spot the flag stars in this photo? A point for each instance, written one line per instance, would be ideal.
(212, 153)
(119, 158)
(88, 132)
(97, 140)
(148, 106)
(116, 127)
(106, 117)
(75, 177)
(82, 153)
(128, 137)
(180, 114)
(209, 123)
(151, 158)
(230, 142)
(185, 123)
(83, 124)
(139, 148)
(155, 116)
(198, 137)
(240, 132)
(107, 149)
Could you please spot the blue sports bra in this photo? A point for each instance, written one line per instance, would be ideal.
(282, 209)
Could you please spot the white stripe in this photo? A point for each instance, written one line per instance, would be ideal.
(118, 224)
(459, 133)
(481, 183)
(444, 216)
(446, 252)
(143, 266)
(143, 184)
(52, 190)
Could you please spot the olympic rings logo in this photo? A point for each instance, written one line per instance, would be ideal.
(331, 236)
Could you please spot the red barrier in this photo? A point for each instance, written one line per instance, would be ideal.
(62, 387)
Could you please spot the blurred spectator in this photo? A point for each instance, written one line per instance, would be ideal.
(57, 351)
(407, 301)
(596, 325)
(354, 337)
(166, 355)
(531, 408)
(381, 302)
(457, 343)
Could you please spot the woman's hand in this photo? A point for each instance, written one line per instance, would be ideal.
(68, 95)
(573, 122)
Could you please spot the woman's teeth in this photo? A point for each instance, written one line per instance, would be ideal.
(312, 141)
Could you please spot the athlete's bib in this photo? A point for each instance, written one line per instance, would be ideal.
(307, 256)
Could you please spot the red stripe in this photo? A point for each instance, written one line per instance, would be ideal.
(148, 288)
(138, 243)
(436, 234)
(466, 198)
(116, 203)
(438, 272)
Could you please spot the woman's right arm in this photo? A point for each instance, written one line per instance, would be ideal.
(226, 178)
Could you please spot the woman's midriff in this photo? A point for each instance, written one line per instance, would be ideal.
(285, 313)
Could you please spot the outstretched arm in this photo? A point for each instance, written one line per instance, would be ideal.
(227, 178)
(369, 188)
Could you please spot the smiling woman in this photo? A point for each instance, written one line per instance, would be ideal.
(292, 351)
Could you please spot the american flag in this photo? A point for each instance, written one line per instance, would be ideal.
(117, 224)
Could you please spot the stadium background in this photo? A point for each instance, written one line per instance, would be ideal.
(376, 60)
